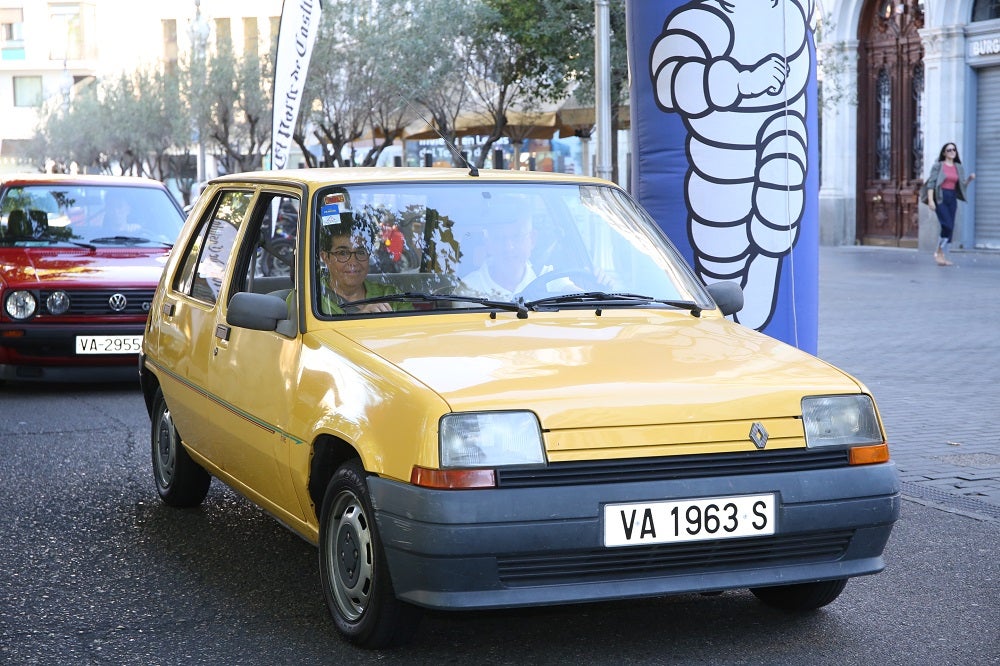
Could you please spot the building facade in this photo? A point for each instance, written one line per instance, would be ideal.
(49, 46)
(904, 78)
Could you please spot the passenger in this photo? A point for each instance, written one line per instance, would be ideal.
(347, 257)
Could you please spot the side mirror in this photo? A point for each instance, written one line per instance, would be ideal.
(260, 312)
(728, 296)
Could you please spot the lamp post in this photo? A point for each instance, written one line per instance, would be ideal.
(602, 85)
(199, 31)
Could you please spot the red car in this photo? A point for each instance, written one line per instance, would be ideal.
(80, 258)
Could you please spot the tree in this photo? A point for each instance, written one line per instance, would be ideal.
(235, 109)
(524, 54)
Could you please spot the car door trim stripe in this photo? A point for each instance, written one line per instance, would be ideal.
(263, 425)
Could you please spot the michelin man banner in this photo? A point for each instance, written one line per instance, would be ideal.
(724, 148)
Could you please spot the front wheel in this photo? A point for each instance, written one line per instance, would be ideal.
(801, 596)
(353, 568)
(180, 481)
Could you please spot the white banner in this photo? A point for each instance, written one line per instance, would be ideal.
(296, 36)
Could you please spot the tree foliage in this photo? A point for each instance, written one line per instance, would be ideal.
(377, 70)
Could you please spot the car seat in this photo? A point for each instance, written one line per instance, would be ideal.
(18, 224)
(39, 220)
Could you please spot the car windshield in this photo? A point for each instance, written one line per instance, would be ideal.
(49, 214)
(400, 247)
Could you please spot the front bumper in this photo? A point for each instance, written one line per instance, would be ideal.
(48, 353)
(538, 546)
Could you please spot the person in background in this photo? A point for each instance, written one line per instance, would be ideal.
(945, 188)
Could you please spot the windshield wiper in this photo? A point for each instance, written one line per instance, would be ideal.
(606, 299)
(419, 296)
(126, 240)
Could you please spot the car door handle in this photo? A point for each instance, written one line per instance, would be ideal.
(168, 309)
(222, 332)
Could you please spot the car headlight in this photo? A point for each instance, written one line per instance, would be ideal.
(840, 420)
(490, 439)
(57, 303)
(20, 304)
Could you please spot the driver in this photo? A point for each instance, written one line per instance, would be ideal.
(507, 269)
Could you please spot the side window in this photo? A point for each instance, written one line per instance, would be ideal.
(267, 257)
(204, 265)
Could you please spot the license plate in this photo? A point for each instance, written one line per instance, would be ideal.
(108, 344)
(702, 519)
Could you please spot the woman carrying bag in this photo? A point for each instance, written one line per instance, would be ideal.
(945, 187)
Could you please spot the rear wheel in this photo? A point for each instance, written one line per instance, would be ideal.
(802, 596)
(180, 481)
(353, 568)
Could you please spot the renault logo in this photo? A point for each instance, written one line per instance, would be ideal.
(117, 302)
(758, 435)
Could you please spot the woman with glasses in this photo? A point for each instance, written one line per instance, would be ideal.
(346, 254)
(945, 187)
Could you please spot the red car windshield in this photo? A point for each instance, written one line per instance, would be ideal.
(46, 214)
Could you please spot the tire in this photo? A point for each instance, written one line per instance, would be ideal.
(802, 596)
(353, 568)
(180, 481)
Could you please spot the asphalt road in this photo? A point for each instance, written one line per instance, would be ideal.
(95, 570)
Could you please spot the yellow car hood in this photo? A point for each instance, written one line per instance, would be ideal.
(624, 368)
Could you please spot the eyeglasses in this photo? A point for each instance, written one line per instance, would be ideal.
(951, 150)
(343, 256)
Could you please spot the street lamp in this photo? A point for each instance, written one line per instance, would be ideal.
(199, 31)
(602, 80)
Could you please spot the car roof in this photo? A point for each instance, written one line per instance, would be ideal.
(352, 175)
(102, 180)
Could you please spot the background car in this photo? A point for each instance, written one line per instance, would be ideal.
(542, 405)
(80, 257)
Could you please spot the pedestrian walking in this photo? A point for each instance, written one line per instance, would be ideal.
(945, 187)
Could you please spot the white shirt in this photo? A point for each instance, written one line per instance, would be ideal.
(482, 283)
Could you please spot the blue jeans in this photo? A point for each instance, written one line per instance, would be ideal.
(946, 209)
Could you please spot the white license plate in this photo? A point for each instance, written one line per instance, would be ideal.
(702, 519)
(108, 344)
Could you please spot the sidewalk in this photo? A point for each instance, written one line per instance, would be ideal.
(926, 340)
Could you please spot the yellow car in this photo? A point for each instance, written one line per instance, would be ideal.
(498, 389)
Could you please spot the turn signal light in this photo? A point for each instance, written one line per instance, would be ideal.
(15, 333)
(453, 479)
(869, 455)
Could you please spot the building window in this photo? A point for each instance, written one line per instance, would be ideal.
(251, 39)
(223, 34)
(170, 44)
(985, 10)
(11, 34)
(28, 91)
(72, 31)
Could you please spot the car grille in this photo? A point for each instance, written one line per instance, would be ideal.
(662, 560)
(98, 301)
(671, 468)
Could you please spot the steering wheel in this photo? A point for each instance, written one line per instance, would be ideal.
(582, 280)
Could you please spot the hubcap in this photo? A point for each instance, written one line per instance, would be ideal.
(166, 449)
(350, 557)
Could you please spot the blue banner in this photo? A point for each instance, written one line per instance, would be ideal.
(725, 148)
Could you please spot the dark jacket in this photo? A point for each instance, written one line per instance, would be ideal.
(937, 177)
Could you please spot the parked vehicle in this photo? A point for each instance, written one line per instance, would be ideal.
(544, 406)
(80, 257)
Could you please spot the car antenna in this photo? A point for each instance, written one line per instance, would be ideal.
(473, 169)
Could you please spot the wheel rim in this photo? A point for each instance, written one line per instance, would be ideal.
(165, 449)
(350, 557)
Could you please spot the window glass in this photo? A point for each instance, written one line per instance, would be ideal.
(203, 271)
(985, 10)
(27, 91)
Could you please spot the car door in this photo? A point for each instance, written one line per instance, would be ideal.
(186, 335)
(253, 374)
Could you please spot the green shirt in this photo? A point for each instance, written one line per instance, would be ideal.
(329, 304)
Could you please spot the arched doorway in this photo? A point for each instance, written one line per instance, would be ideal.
(890, 137)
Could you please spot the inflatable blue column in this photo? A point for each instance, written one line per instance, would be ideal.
(724, 148)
